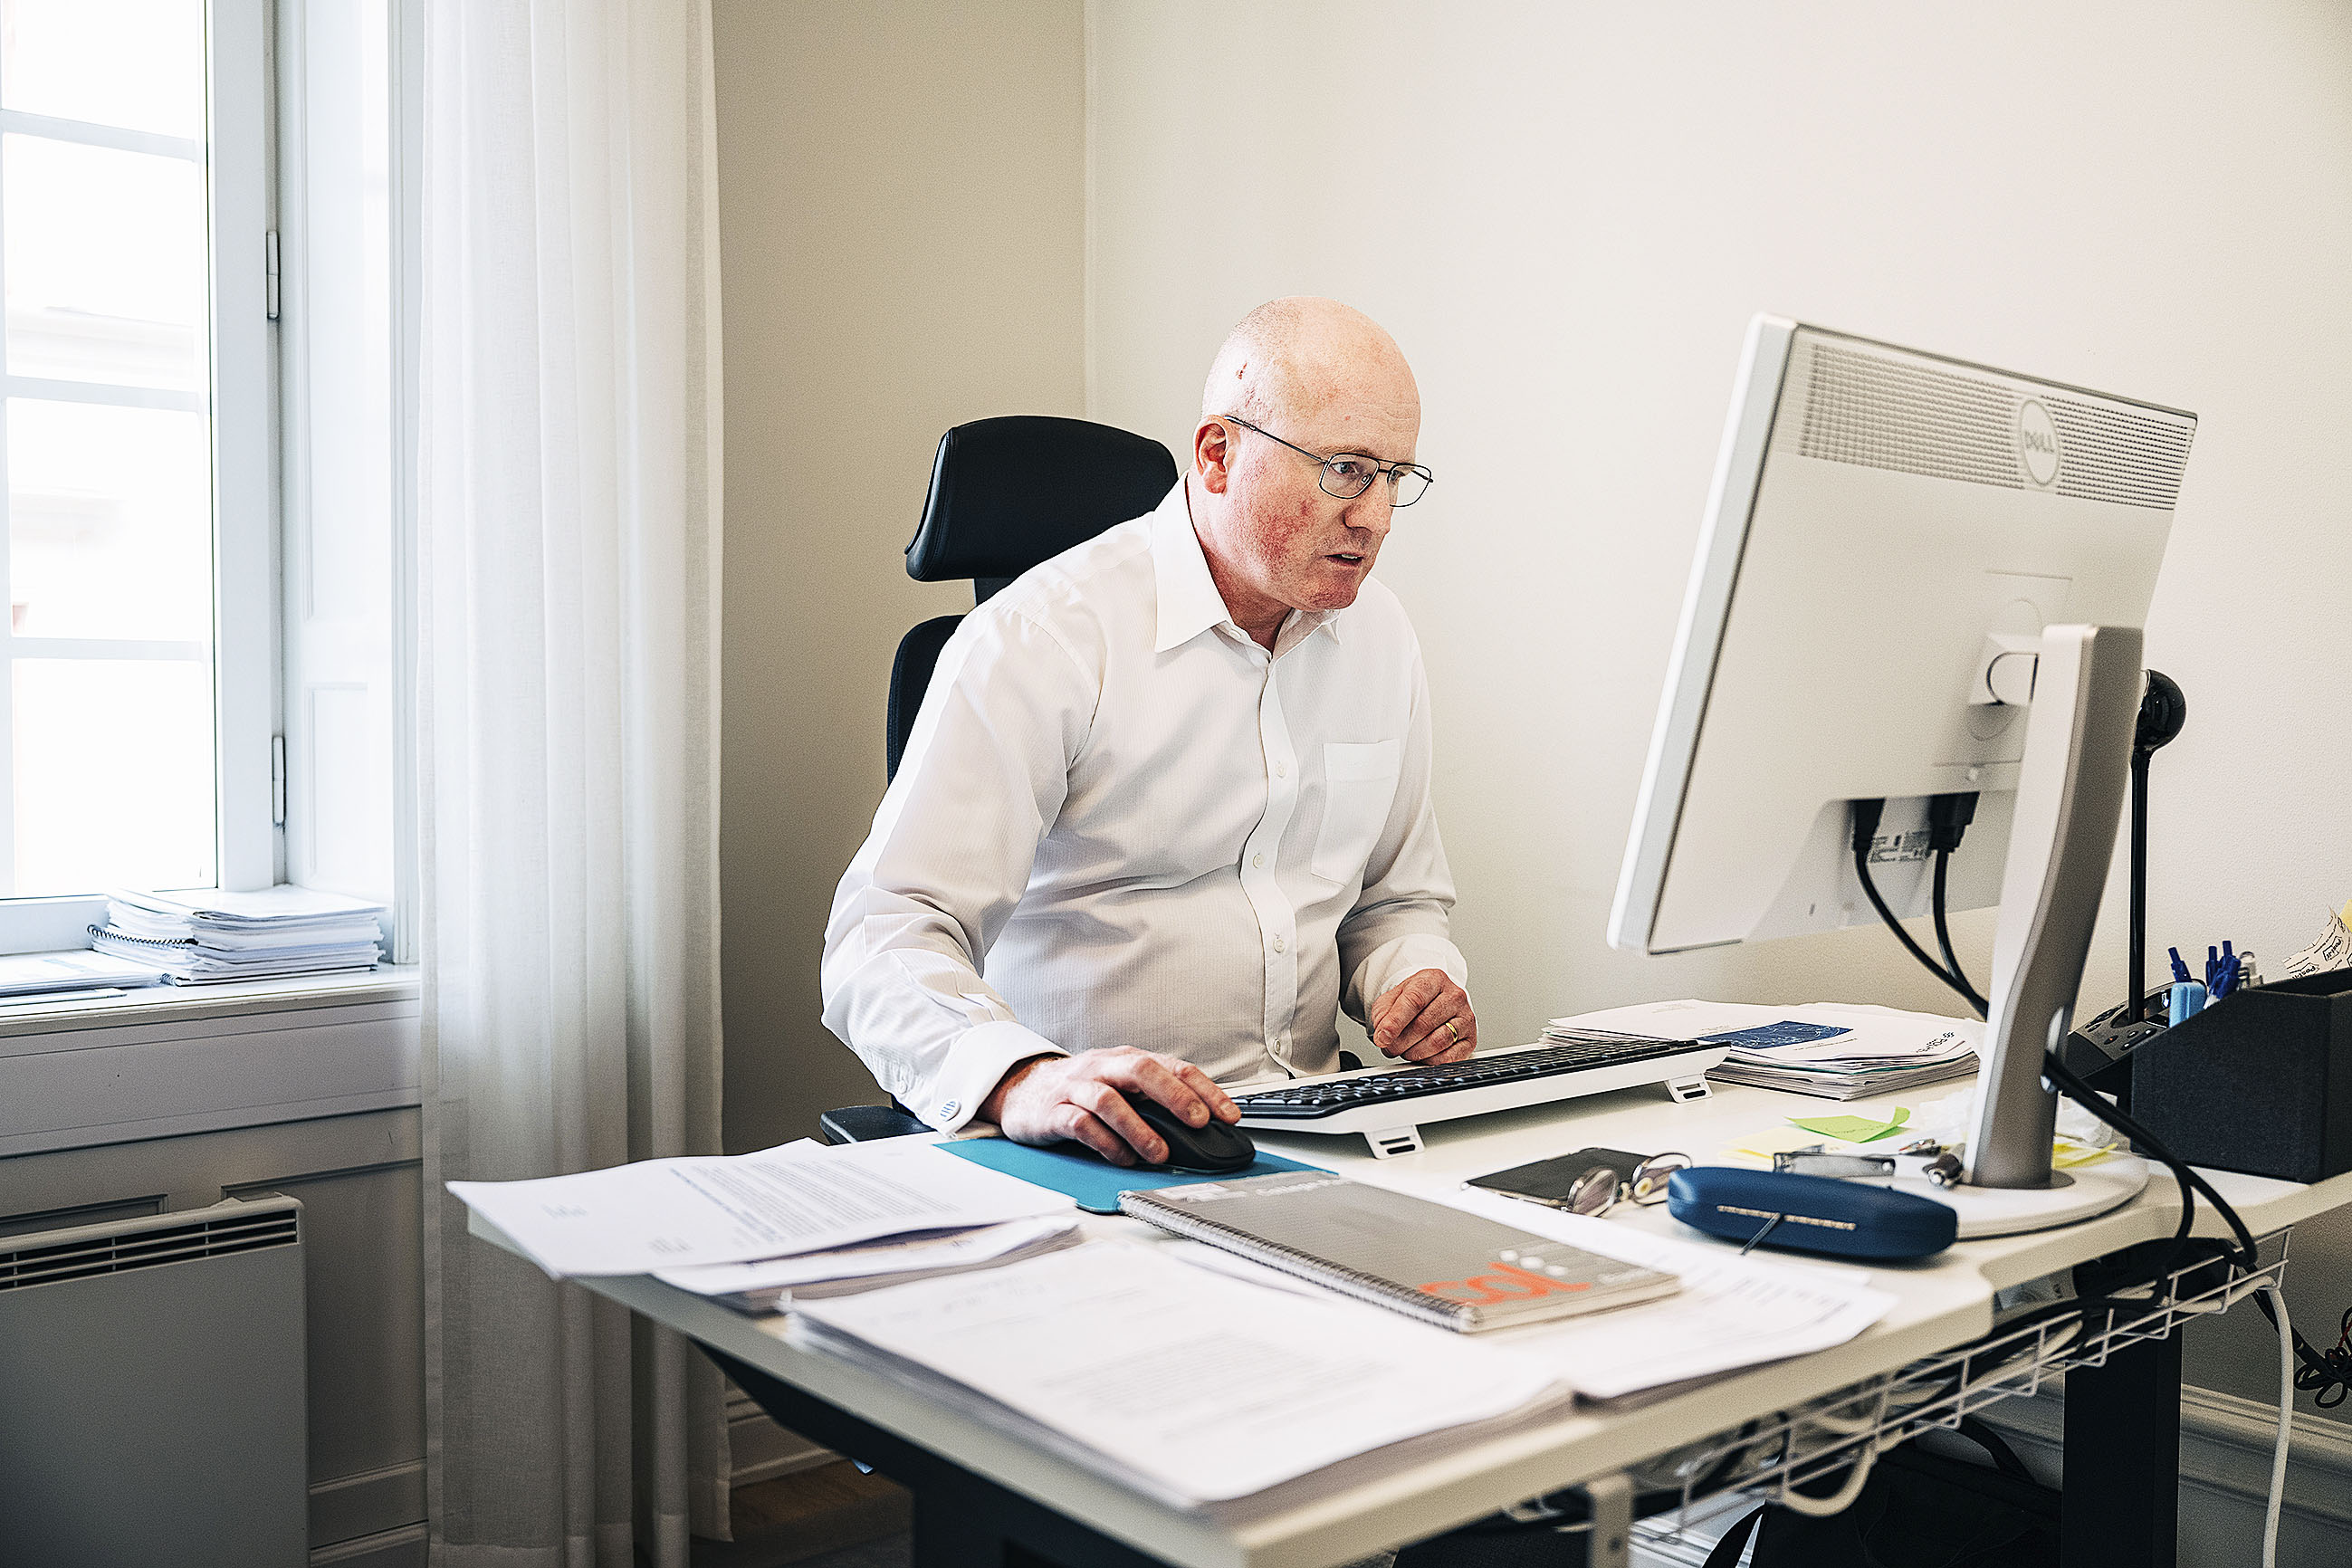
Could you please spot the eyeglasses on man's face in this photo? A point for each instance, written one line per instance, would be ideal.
(1347, 475)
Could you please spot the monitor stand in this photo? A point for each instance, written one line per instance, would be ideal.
(2070, 795)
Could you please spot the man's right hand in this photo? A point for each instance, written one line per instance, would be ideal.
(1048, 1098)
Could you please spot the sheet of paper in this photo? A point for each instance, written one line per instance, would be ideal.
(668, 1214)
(1205, 1387)
(2331, 949)
(957, 1249)
(1863, 1035)
(77, 969)
(1731, 1312)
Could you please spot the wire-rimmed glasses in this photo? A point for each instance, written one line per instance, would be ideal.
(1602, 1188)
(1347, 475)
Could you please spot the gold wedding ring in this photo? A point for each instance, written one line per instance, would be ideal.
(1452, 1031)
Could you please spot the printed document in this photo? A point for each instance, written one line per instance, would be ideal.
(1243, 1388)
(668, 1214)
(2331, 949)
(1731, 1312)
(873, 1263)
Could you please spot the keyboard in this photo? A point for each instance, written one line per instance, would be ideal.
(1389, 1105)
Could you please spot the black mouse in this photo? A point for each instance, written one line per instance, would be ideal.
(1219, 1149)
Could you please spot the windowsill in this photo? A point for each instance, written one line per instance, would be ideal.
(177, 1004)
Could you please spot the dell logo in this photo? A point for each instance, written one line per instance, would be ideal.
(2037, 443)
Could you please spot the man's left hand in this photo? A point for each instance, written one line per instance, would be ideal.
(1425, 1017)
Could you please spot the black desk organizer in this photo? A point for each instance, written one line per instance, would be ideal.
(2260, 1082)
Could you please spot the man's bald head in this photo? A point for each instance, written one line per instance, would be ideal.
(1319, 376)
(1292, 359)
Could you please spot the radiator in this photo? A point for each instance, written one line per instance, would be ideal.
(152, 1392)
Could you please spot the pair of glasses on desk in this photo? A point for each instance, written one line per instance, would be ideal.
(1603, 1187)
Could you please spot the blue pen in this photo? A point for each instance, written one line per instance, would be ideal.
(2180, 970)
(2213, 967)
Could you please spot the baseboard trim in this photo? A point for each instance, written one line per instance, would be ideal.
(401, 1548)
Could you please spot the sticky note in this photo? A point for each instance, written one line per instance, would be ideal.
(1852, 1128)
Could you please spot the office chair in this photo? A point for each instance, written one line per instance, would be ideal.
(1007, 494)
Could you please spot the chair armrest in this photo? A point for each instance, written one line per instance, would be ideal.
(864, 1123)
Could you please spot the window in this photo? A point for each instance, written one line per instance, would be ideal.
(131, 376)
(196, 451)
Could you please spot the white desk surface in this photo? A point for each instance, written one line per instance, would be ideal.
(1942, 1302)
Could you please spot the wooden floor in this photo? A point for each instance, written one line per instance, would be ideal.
(810, 1513)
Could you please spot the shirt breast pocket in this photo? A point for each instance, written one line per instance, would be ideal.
(1360, 782)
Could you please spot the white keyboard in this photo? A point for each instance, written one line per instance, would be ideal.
(1389, 1105)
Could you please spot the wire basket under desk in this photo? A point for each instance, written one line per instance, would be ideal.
(1825, 1437)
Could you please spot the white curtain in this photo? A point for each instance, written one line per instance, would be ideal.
(568, 744)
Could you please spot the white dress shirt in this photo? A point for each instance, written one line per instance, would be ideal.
(1144, 829)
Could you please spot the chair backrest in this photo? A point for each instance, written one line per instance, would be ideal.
(1007, 494)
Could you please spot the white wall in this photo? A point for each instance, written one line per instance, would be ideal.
(901, 221)
(1566, 214)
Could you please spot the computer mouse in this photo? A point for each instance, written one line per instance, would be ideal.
(1219, 1149)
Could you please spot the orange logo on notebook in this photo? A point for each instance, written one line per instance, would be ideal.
(1506, 1284)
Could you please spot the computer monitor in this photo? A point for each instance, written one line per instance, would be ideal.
(1890, 540)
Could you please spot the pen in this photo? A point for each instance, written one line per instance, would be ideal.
(2180, 970)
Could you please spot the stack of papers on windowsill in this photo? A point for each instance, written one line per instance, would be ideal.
(1833, 1050)
(212, 937)
(26, 977)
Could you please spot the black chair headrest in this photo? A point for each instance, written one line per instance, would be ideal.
(1008, 493)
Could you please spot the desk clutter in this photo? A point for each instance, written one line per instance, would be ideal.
(1829, 1049)
(1294, 1316)
(213, 937)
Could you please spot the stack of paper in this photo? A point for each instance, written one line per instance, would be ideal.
(778, 1283)
(38, 976)
(1833, 1050)
(1244, 1388)
(801, 1198)
(211, 937)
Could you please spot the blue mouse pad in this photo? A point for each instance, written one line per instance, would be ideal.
(1094, 1183)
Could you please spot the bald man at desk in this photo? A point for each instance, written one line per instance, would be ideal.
(1170, 788)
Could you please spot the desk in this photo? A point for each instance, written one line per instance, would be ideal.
(982, 1498)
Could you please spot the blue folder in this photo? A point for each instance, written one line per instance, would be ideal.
(1094, 1182)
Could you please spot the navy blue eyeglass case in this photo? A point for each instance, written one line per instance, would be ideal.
(1819, 1213)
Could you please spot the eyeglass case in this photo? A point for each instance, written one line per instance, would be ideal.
(1819, 1213)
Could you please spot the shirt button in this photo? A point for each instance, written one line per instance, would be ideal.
(1257, 859)
(1278, 944)
(1282, 770)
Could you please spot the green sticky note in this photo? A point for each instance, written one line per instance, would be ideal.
(1852, 1128)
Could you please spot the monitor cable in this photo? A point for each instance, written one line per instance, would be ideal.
(1866, 814)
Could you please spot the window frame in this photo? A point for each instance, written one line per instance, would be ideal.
(240, 180)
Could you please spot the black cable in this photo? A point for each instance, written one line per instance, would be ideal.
(1959, 981)
(1870, 890)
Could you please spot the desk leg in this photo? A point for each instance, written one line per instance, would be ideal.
(962, 1520)
(2123, 1459)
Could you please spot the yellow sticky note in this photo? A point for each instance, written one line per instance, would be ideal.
(1760, 1147)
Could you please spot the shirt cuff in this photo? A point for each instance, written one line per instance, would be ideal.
(976, 1063)
(1401, 959)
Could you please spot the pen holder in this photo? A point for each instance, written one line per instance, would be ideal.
(2259, 1083)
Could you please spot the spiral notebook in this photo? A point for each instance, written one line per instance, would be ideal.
(1458, 1270)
